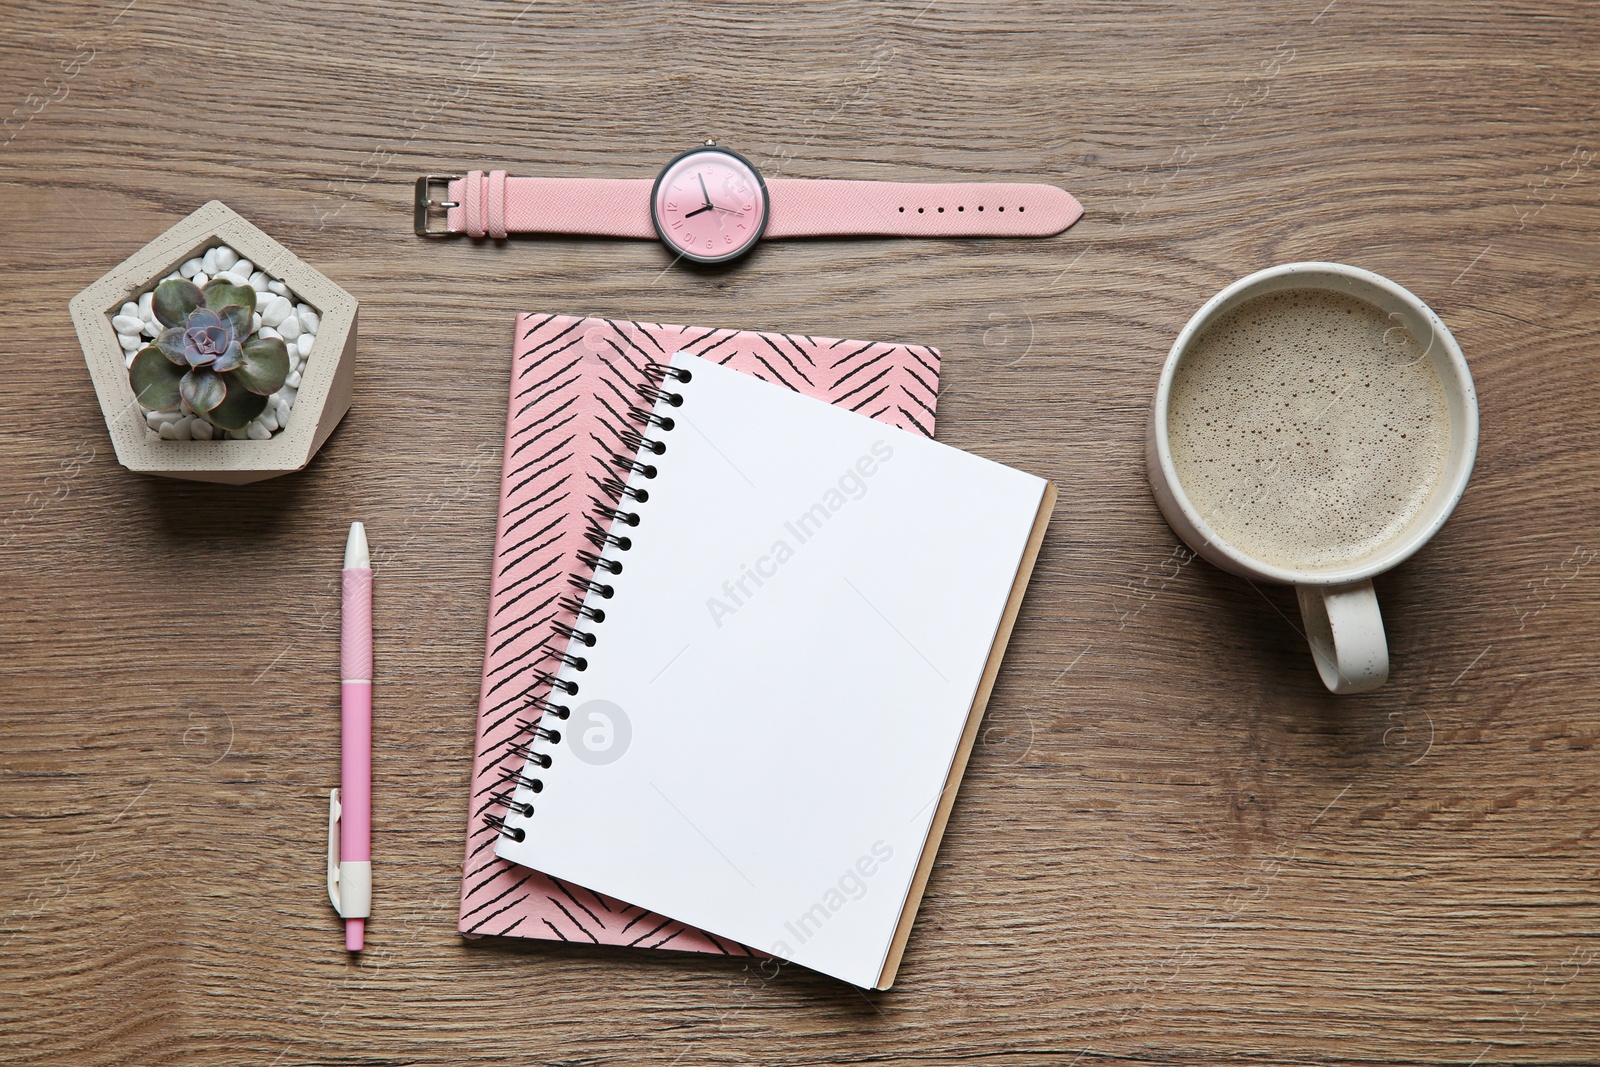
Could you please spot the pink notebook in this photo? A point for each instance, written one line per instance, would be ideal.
(572, 383)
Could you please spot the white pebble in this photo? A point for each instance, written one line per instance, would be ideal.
(243, 268)
(127, 323)
(302, 344)
(255, 323)
(235, 435)
(288, 392)
(146, 305)
(257, 432)
(231, 278)
(258, 281)
(308, 318)
(264, 298)
(275, 312)
(173, 431)
(201, 430)
(269, 419)
(226, 257)
(152, 328)
(155, 419)
(201, 279)
(190, 268)
(130, 341)
(268, 331)
(183, 405)
(278, 287)
(127, 358)
(289, 327)
(293, 380)
(174, 276)
(208, 262)
(130, 308)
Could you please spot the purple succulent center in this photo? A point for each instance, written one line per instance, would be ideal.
(209, 340)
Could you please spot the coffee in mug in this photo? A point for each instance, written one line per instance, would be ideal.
(1308, 428)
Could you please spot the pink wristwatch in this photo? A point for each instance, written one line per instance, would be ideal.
(712, 205)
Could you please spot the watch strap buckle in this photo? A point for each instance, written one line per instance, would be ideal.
(425, 205)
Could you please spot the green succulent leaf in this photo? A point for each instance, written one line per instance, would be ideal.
(174, 300)
(230, 360)
(240, 406)
(203, 388)
(221, 294)
(266, 365)
(239, 317)
(170, 342)
(154, 379)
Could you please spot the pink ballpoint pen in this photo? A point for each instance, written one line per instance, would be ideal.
(350, 806)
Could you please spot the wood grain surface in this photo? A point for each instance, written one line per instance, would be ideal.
(1172, 846)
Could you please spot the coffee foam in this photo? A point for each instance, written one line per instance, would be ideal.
(1308, 428)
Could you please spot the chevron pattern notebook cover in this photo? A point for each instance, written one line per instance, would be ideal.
(572, 382)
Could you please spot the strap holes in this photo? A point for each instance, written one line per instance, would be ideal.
(1021, 208)
(980, 207)
(902, 211)
(1002, 209)
(961, 208)
(919, 211)
(941, 211)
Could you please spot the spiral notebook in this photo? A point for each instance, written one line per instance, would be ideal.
(758, 722)
(572, 381)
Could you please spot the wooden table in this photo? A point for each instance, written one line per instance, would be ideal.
(1172, 845)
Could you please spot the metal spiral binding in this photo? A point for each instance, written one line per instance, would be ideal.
(603, 518)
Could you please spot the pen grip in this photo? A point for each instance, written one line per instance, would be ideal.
(355, 625)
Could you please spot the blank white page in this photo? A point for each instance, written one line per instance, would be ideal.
(794, 643)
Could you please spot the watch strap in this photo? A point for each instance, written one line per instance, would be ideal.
(491, 204)
(801, 207)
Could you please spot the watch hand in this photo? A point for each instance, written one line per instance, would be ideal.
(729, 210)
(703, 190)
(697, 211)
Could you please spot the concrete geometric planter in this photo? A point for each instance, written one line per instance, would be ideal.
(324, 392)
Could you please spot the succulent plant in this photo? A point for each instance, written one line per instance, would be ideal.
(206, 355)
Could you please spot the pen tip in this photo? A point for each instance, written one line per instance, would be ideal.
(355, 548)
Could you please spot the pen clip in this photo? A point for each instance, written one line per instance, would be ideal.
(334, 812)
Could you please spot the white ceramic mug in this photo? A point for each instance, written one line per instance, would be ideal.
(1339, 607)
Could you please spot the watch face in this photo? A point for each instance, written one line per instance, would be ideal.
(709, 205)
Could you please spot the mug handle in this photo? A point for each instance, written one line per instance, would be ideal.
(1345, 631)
